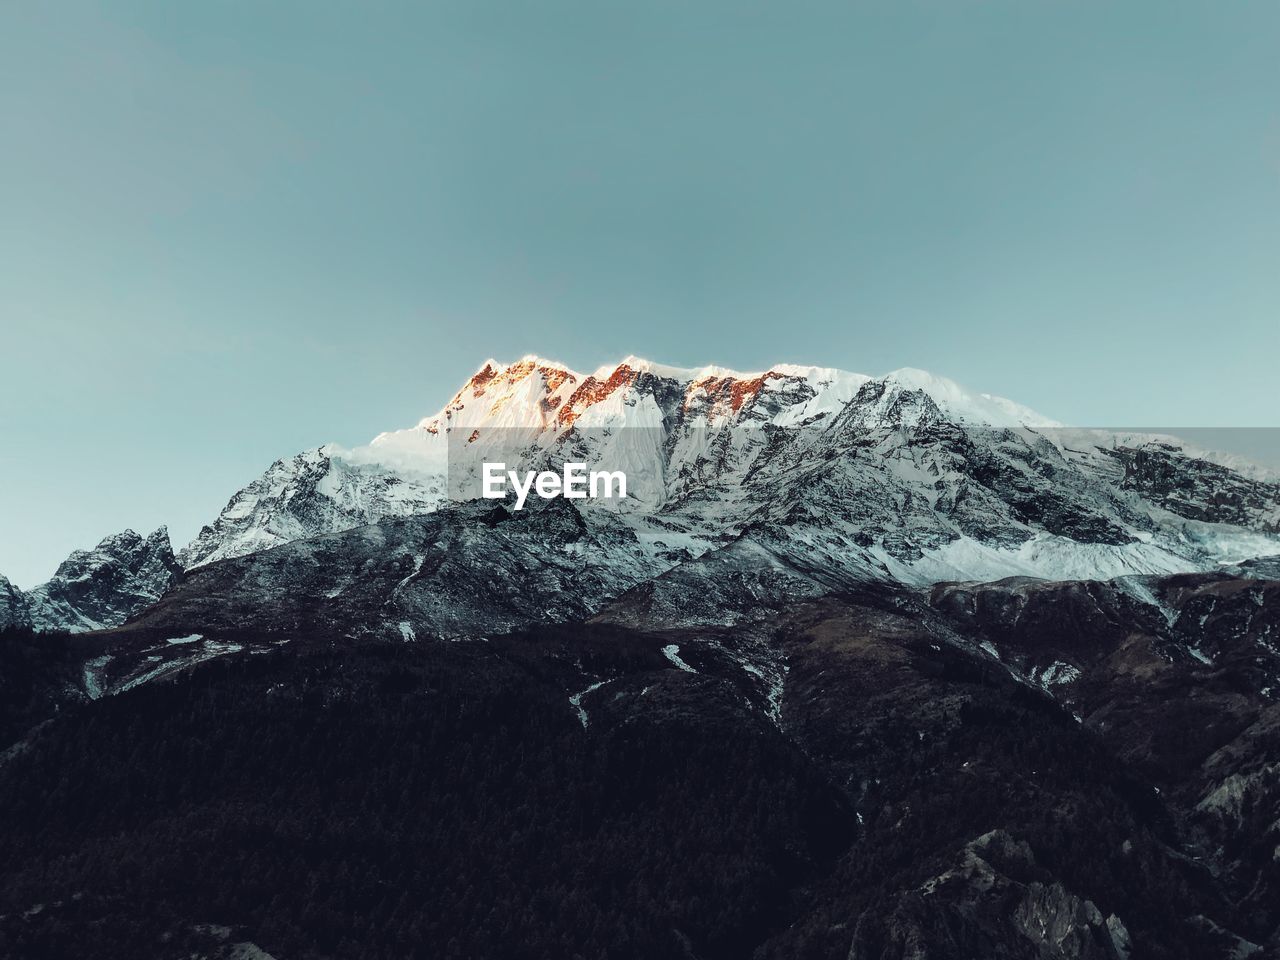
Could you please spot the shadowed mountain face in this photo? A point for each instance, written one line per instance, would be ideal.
(1198, 490)
(13, 605)
(1013, 769)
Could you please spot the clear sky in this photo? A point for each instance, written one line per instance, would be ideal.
(230, 231)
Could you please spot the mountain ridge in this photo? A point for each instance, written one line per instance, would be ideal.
(907, 476)
(850, 676)
(96, 588)
(732, 440)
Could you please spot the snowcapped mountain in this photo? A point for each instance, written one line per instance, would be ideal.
(907, 592)
(908, 476)
(406, 472)
(97, 588)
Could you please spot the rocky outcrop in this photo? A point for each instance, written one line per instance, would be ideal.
(1198, 489)
(13, 605)
(102, 587)
(996, 901)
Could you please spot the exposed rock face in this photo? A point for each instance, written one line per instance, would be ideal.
(1180, 677)
(997, 901)
(1198, 489)
(13, 605)
(465, 571)
(97, 588)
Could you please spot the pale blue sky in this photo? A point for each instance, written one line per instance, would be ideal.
(233, 230)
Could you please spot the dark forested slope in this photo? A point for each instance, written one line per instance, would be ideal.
(588, 791)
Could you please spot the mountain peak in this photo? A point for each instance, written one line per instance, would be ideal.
(96, 588)
(965, 405)
(127, 536)
(544, 364)
(671, 372)
(129, 541)
(538, 393)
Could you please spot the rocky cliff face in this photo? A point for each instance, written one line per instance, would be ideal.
(13, 605)
(466, 571)
(1198, 489)
(97, 588)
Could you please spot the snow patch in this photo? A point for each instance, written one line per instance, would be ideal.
(93, 670)
(576, 701)
(672, 652)
(1058, 673)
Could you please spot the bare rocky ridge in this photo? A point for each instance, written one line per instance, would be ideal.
(13, 605)
(1198, 489)
(907, 477)
(97, 588)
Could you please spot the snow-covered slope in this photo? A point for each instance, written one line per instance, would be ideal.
(908, 476)
(319, 491)
(543, 403)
